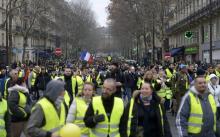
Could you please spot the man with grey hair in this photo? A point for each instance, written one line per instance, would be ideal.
(106, 110)
(10, 82)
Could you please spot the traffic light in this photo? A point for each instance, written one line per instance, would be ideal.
(188, 34)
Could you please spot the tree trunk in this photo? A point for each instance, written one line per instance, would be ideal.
(10, 37)
(7, 45)
(24, 48)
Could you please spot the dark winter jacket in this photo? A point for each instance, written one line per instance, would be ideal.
(18, 113)
(42, 80)
(148, 118)
(130, 80)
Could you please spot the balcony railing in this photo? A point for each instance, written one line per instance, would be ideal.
(214, 7)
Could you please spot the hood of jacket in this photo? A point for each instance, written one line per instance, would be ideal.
(18, 88)
(194, 91)
(214, 76)
(54, 89)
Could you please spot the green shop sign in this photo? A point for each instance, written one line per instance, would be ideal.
(191, 50)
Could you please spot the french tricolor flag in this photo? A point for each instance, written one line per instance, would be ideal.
(86, 56)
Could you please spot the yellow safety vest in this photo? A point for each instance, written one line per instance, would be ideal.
(73, 84)
(162, 93)
(169, 93)
(139, 82)
(130, 116)
(80, 84)
(169, 74)
(33, 79)
(217, 73)
(195, 120)
(3, 111)
(81, 108)
(53, 122)
(67, 99)
(6, 90)
(89, 78)
(109, 126)
(98, 80)
(20, 74)
(22, 102)
(207, 78)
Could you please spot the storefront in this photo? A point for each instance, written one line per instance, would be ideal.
(191, 54)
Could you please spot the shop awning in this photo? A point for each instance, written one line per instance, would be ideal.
(177, 51)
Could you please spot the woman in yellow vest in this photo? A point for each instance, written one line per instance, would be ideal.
(146, 116)
(78, 108)
(19, 106)
(49, 113)
(4, 118)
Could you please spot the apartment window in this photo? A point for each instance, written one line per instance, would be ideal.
(3, 3)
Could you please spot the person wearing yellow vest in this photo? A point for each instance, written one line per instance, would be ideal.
(19, 106)
(31, 82)
(146, 115)
(5, 119)
(49, 114)
(78, 108)
(165, 91)
(105, 114)
(10, 82)
(79, 84)
(217, 71)
(89, 78)
(197, 112)
(182, 84)
(67, 100)
(70, 82)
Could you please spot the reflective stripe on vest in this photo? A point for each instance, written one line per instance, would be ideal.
(6, 90)
(53, 122)
(130, 116)
(195, 120)
(109, 126)
(81, 108)
(3, 110)
(79, 84)
(67, 99)
(169, 93)
(162, 120)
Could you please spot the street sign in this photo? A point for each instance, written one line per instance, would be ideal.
(58, 51)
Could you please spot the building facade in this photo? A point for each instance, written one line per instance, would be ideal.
(197, 17)
(41, 38)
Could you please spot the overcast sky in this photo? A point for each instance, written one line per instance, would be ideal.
(99, 6)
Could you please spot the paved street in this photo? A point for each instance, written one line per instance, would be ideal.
(172, 125)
